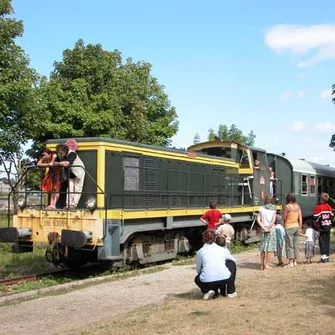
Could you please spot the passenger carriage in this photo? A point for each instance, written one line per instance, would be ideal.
(305, 179)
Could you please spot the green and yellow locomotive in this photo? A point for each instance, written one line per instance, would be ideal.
(142, 203)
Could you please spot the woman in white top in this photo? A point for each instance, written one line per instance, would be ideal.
(213, 273)
(266, 219)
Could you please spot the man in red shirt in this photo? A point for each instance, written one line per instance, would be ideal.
(212, 216)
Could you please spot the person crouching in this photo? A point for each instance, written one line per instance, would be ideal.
(212, 272)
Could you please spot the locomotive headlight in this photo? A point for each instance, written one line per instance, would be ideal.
(21, 203)
(91, 204)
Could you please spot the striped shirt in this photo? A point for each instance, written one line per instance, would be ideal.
(324, 213)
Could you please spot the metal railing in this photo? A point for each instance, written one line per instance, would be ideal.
(35, 198)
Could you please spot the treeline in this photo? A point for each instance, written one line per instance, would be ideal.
(90, 92)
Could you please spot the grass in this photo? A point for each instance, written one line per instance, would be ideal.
(16, 265)
(4, 219)
(276, 301)
(237, 247)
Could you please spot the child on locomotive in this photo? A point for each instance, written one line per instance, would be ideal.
(73, 173)
(52, 179)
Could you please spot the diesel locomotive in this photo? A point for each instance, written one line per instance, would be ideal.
(142, 203)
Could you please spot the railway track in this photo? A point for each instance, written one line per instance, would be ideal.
(31, 278)
(78, 274)
(91, 270)
(20, 280)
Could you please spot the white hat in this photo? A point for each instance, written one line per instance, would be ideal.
(226, 217)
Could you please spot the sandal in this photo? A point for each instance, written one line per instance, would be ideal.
(50, 207)
(289, 265)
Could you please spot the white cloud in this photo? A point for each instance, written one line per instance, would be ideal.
(302, 75)
(300, 94)
(290, 94)
(326, 94)
(298, 125)
(325, 127)
(302, 40)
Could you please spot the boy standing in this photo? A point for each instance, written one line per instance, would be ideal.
(226, 230)
(280, 239)
(211, 217)
(310, 241)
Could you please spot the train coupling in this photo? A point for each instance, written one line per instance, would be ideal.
(75, 239)
(12, 234)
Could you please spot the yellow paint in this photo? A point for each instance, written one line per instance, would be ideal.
(41, 223)
(119, 147)
(101, 162)
(247, 171)
(225, 144)
(217, 144)
(144, 214)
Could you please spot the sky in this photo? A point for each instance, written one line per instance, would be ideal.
(264, 66)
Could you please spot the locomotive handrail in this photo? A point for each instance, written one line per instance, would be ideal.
(12, 190)
(100, 189)
(41, 193)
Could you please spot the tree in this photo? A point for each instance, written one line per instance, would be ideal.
(19, 112)
(232, 134)
(196, 138)
(93, 92)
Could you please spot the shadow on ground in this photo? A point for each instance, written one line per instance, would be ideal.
(191, 295)
(249, 265)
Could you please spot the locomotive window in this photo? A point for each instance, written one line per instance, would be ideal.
(304, 182)
(312, 185)
(244, 161)
(131, 173)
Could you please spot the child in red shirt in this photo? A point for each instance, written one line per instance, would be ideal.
(212, 216)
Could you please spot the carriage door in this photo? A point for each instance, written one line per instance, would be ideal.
(261, 177)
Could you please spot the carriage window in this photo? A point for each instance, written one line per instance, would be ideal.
(296, 182)
(131, 173)
(312, 185)
(320, 185)
(260, 161)
(304, 182)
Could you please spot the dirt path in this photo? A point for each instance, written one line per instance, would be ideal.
(77, 309)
